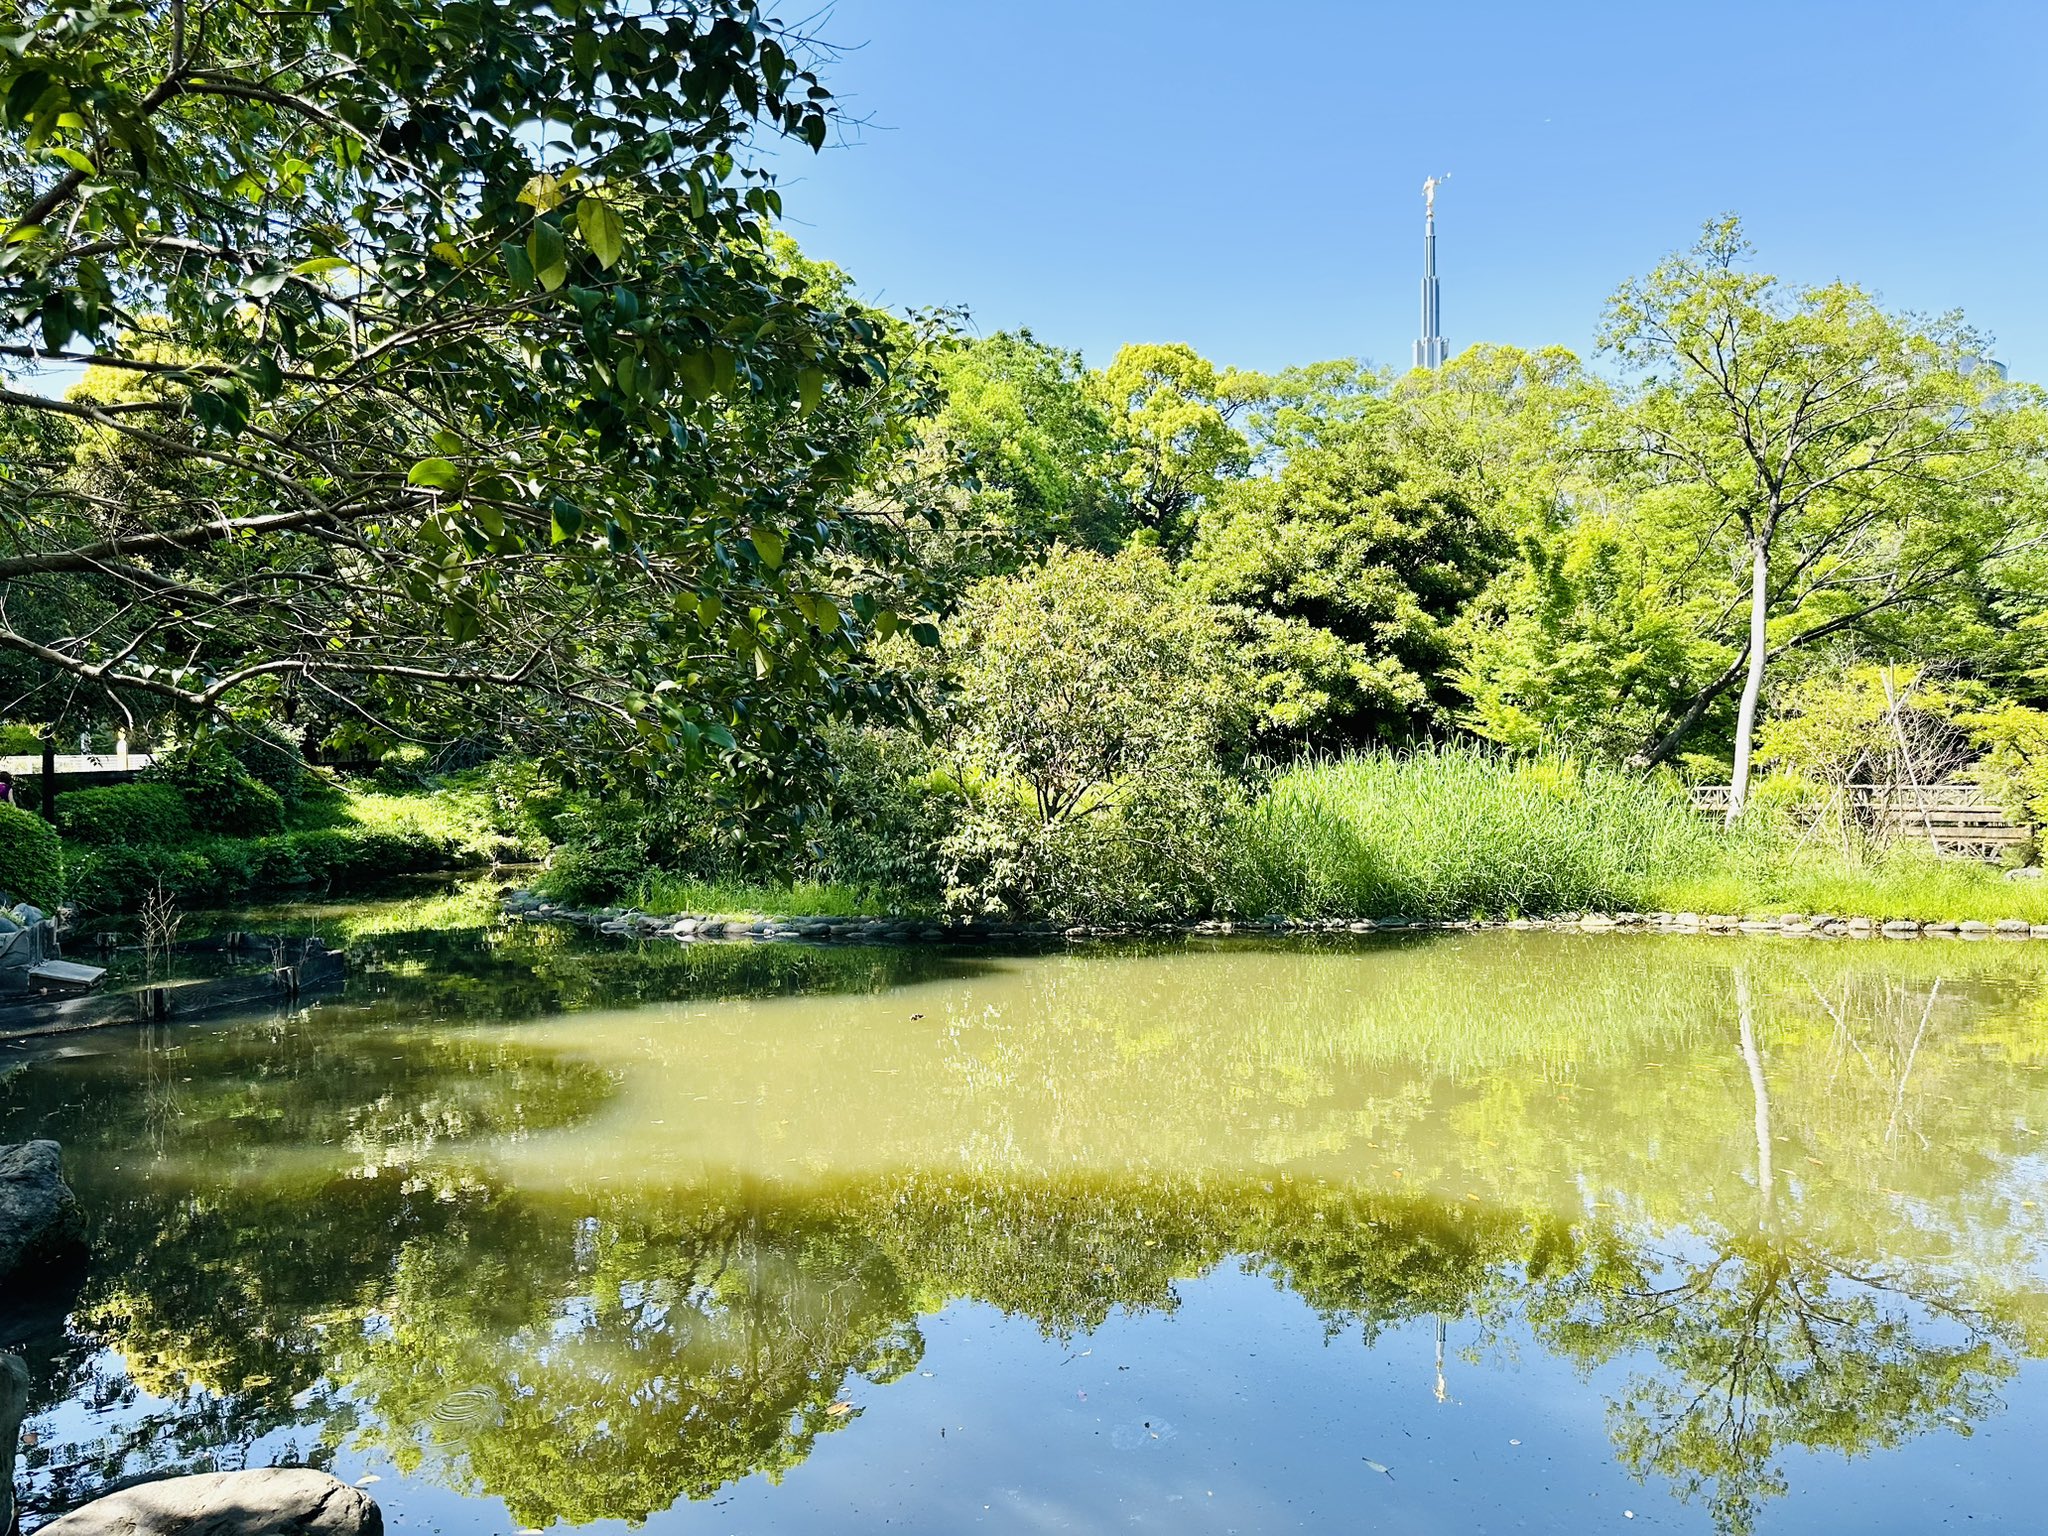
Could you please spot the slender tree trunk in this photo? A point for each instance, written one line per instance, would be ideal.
(1753, 684)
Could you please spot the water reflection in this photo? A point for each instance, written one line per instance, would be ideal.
(594, 1262)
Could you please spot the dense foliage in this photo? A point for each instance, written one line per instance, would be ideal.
(442, 378)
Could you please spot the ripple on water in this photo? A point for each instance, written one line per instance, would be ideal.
(463, 1410)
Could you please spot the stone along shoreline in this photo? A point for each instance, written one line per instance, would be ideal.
(697, 927)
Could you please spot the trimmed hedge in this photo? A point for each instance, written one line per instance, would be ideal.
(124, 813)
(31, 858)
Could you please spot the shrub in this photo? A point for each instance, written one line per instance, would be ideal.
(124, 813)
(589, 874)
(219, 794)
(31, 858)
(1152, 849)
(268, 754)
(116, 878)
(890, 809)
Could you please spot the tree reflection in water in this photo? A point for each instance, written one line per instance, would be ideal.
(1790, 1219)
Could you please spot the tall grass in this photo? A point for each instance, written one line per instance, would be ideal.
(658, 892)
(1455, 832)
(1763, 877)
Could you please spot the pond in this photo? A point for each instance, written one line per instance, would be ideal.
(1429, 1232)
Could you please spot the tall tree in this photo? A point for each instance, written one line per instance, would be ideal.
(459, 361)
(1845, 461)
(1342, 573)
(1173, 415)
(1025, 439)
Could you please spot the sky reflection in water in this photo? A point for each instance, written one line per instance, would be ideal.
(1454, 1233)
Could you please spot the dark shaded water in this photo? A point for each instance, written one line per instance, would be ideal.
(1463, 1233)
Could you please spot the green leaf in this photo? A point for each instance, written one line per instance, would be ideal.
(320, 264)
(437, 474)
(549, 254)
(694, 373)
(768, 545)
(462, 622)
(542, 192)
(72, 158)
(810, 389)
(264, 374)
(568, 519)
(517, 264)
(26, 91)
(602, 230)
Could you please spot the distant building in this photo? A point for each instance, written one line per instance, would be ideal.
(1430, 348)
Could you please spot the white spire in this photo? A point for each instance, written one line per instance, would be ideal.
(1430, 348)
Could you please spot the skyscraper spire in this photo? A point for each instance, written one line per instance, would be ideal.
(1430, 348)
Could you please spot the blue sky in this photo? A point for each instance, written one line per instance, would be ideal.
(1247, 178)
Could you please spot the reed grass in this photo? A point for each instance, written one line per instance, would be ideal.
(1454, 832)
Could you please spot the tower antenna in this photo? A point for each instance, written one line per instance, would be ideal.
(1430, 348)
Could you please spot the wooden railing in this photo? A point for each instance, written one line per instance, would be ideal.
(1953, 818)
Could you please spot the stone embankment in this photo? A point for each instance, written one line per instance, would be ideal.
(626, 923)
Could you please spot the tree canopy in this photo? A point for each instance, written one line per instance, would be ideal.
(437, 356)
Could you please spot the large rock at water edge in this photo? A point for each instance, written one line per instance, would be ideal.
(39, 1220)
(277, 1501)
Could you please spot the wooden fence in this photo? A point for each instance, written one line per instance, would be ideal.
(1953, 818)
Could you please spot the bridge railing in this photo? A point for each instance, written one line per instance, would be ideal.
(1954, 818)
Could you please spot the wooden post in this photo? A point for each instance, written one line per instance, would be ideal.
(50, 772)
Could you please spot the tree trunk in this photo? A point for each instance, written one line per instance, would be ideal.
(1753, 684)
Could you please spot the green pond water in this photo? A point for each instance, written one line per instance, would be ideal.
(1459, 1233)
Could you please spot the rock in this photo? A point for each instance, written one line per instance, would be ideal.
(2012, 925)
(1596, 922)
(2028, 872)
(13, 1409)
(1900, 927)
(276, 1501)
(1973, 927)
(39, 1220)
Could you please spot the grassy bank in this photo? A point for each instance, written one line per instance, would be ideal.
(1451, 833)
(1440, 833)
(1754, 882)
(739, 898)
